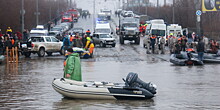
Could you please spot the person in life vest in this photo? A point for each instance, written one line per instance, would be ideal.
(153, 42)
(72, 66)
(89, 46)
(71, 38)
(140, 28)
(88, 32)
(9, 31)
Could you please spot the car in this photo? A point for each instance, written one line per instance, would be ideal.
(77, 30)
(103, 39)
(128, 14)
(42, 45)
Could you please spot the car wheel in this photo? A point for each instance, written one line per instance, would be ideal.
(113, 45)
(27, 54)
(137, 41)
(102, 44)
(49, 53)
(62, 51)
(121, 40)
(41, 52)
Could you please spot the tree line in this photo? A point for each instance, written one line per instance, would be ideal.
(10, 13)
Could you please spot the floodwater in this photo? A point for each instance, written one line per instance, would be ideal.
(28, 86)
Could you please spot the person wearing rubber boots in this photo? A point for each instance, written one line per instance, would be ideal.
(72, 66)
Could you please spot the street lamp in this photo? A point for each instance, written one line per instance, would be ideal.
(37, 12)
(22, 12)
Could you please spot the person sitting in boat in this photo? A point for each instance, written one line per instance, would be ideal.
(72, 66)
(177, 47)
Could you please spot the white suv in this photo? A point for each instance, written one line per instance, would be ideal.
(42, 44)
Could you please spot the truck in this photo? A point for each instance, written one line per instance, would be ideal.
(74, 13)
(107, 12)
(129, 30)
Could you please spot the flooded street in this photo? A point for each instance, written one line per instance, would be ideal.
(28, 86)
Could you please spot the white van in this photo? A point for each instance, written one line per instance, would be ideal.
(156, 27)
(175, 29)
(103, 28)
(38, 32)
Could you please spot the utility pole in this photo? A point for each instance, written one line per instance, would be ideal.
(173, 11)
(71, 4)
(123, 3)
(94, 15)
(198, 19)
(165, 2)
(50, 10)
(158, 9)
(22, 16)
(147, 3)
(37, 12)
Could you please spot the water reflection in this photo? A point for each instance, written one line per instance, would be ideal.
(75, 104)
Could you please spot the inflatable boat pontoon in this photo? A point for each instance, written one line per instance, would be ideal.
(133, 88)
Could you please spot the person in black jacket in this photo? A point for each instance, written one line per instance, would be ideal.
(200, 49)
(1, 46)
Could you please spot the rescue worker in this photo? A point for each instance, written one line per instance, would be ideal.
(89, 46)
(148, 44)
(171, 43)
(66, 43)
(71, 39)
(72, 66)
(84, 40)
(214, 47)
(177, 48)
(9, 31)
(162, 45)
(77, 42)
(183, 40)
(1, 46)
(156, 46)
(141, 29)
(200, 49)
(88, 32)
(206, 41)
(153, 41)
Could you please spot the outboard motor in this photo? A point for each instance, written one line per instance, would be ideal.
(132, 80)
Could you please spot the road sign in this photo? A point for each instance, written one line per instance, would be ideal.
(198, 12)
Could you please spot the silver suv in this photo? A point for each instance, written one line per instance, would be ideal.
(42, 45)
(103, 39)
